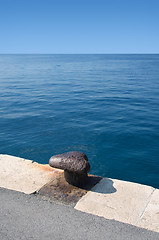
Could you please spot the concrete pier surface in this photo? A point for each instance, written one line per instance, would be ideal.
(51, 208)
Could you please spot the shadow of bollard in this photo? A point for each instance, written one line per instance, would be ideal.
(104, 187)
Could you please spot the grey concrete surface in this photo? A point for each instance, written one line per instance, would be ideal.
(30, 217)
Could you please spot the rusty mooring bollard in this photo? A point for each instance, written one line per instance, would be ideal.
(75, 165)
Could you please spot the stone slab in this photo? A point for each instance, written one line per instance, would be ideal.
(150, 217)
(24, 175)
(114, 199)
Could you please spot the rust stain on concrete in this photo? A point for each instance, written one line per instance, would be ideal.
(47, 168)
(59, 189)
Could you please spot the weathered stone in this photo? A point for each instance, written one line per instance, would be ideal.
(75, 165)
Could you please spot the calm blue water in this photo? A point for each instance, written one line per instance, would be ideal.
(104, 105)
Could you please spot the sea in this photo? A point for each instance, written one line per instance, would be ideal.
(105, 105)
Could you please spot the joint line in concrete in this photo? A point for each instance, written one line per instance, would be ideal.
(144, 208)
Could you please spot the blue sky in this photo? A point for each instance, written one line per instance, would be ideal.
(79, 26)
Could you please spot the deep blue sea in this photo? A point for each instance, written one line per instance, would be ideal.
(106, 106)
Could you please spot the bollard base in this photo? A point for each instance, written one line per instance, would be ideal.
(76, 179)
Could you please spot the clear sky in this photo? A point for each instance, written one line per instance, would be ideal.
(79, 26)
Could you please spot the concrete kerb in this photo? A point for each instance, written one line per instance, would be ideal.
(123, 201)
(24, 175)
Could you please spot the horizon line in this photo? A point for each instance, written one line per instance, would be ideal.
(79, 53)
